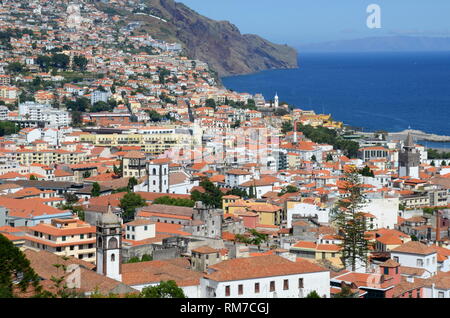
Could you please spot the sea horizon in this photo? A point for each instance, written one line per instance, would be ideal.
(390, 91)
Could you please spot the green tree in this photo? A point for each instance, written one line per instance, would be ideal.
(77, 118)
(165, 289)
(7, 128)
(131, 183)
(60, 61)
(129, 203)
(79, 63)
(15, 269)
(443, 163)
(329, 157)
(366, 172)
(15, 67)
(71, 198)
(166, 200)
(313, 158)
(86, 174)
(101, 106)
(239, 192)
(281, 112)
(118, 170)
(286, 127)
(33, 177)
(313, 294)
(146, 258)
(350, 221)
(212, 195)
(44, 62)
(288, 189)
(210, 103)
(251, 191)
(95, 192)
(346, 292)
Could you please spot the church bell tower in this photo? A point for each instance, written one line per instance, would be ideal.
(109, 245)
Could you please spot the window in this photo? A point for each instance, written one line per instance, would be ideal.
(145, 228)
(441, 295)
(227, 290)
(240, 289)
(256, 288)
(286, 284)
(272, 286)
(396, 258)
(419, 262)
(113, 257)
(418, 293)
(386, 271)
(300, 283)
(81, 236)
(113, 243)
(63, 238)
(58, 249)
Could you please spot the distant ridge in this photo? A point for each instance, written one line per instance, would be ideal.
(381, 44)
(218, 43)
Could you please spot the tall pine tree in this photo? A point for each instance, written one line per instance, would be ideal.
(351, 223)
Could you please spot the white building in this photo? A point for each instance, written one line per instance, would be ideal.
(269, 276)
(235, 177)
(416, 255)
(384, 208)
(307, 210)
(139, 230)
(44, 112)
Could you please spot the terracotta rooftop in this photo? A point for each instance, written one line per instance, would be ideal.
(414, 247)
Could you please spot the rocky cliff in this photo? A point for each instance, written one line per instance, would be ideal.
(219, 43)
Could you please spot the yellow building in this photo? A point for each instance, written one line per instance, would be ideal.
(268, 214)
(134, 164)
(152, 140)
(312, 250)
(64, 237)
(47, 157)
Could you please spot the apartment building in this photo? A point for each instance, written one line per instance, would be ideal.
(64, 237)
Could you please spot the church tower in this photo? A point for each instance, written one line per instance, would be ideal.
(276, 100)
(109, 245)
(409, 159)
(158, 175)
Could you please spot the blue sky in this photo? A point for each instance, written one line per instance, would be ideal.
(297, 22)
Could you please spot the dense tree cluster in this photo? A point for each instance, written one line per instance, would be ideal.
(7, 128)
(174, 201)
(129, 203)
(436, 154)
(323, 135)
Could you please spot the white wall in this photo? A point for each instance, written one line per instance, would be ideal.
(385, 210)
(319, 282)
(410, 260)
(306, 209)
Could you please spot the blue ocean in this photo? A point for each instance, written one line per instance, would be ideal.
(371, 91)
